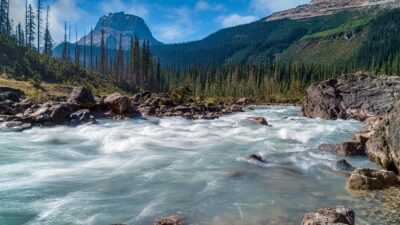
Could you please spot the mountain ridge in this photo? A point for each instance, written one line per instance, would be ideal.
(327, 7)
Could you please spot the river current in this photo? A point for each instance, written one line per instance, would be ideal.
(138, 170)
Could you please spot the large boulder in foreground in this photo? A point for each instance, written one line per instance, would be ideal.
(365, 179)
(357, 95)
(329, 216)
(384, 145)
(83, 97)
(171, 220)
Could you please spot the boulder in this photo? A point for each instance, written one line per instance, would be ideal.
(60, 113)
(10, 94)
(259, 120)
(329, 216)
(82, 97)
(171, 220)
(357, 95)
(242, 101)
(118, 103)
(15, 125)
(384, 145)
(81, 116)
(365, 179)
(344, 149)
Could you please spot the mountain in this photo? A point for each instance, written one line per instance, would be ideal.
(115, 24)
(348, 30)
(327, 7)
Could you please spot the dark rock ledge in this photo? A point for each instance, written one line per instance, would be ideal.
(82, 106)
(368, 97)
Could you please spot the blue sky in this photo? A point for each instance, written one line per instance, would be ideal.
(171, 21)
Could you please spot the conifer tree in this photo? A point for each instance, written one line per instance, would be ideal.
(103, 57)
(65, 47)
(91, 48)
(39, 23)
(48, 40)
(31, 26)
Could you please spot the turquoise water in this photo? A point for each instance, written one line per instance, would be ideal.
(136, 171)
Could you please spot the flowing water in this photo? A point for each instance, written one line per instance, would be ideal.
(138, 170)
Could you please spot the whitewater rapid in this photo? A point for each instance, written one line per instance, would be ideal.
(138, 170)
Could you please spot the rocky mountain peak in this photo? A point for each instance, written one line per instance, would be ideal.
(120, 23)
(326, 7)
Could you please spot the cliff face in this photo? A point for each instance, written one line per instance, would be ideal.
(115, 24)
(326, 7)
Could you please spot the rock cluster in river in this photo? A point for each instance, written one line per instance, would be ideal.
(82, 106)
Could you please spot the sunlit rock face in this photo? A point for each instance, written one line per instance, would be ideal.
(326, 7)
(117, 24)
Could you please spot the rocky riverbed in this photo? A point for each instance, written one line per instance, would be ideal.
(81, 106)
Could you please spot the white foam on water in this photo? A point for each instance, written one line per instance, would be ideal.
(84, 174)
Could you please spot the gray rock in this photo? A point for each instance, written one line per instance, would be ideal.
(81, 116)
(365, 179)
(359, 96)
(343, 165)
(82, 97)
(330, 216)
(16, 125)
(11, 94)
(384, 145)
(118, 103)
(60, 113)
(171, 220)
(344, 149)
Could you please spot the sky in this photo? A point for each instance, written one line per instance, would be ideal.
(171, 21)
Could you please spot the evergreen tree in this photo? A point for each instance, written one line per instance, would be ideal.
(84, 50)
(31, 26)
(91, 48)
(65, 47)
(39, 23)
(20, 35)
(103, 57)
(48, 40)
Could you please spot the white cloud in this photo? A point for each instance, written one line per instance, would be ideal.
(171, 32)
(235, 19)
(202, 5)
(266, 7)
(134, 7)
(60, 11)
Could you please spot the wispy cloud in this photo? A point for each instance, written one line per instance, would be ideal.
(132, 7)
(235, 19)
(202, 5)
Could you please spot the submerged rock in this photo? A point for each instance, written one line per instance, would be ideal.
(171, 220)
(81, 116)
(256, 157)
(343, 165)
(357, 95)
(344, 149)
(365, 179)
(330, 216)
(259, 120)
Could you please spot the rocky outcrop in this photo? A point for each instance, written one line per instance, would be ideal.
(384, 145)
(358, 96)
(330, 216)
(118, 103)
(327, 7)
(344, 149)
(365, 179)
(171, 220)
